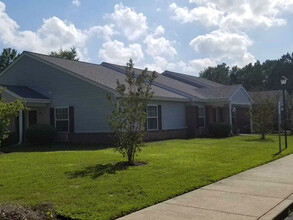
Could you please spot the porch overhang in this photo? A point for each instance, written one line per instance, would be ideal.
(29, 96)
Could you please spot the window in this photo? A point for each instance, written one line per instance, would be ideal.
(201, 116)
(62, 119)
(152, 117)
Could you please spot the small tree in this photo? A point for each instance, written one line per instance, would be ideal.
(7, 112)
(263, 113)
(128, 117)
(70, 54)
(7, 56)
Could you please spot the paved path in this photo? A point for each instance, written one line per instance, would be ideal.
(259, 193)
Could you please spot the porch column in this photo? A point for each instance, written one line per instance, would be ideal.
(251, 124)
(20, 118)
(230, 116)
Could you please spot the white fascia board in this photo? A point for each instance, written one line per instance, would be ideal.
(169, 99)
(45, 101)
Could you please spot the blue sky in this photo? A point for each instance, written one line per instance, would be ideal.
(184, 36)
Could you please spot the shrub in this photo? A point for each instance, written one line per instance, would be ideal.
(11, 140)
(220, 129)
(40, 134)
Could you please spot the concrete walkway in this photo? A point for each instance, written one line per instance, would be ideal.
(259, 193)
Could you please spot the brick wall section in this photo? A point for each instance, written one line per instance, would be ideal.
(242, 120)
(105, 138)
(191, 113)
(89, 138)
(226, 114)
(166, 134)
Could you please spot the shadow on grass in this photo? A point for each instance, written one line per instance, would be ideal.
(259, 140)
(279, 152)
(98, 170)
(53, 147)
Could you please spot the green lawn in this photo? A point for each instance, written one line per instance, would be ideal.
(84, 183)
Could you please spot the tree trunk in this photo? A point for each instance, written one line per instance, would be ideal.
(130, 157)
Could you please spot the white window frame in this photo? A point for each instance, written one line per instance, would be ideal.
(204, 116)
(153, 117)
(55, 119)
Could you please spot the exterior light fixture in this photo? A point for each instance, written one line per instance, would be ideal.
(283, 83)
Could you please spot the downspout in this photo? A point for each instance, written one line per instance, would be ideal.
(20, 118)
(230, 117)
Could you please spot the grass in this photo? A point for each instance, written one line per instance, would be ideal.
(85, 182)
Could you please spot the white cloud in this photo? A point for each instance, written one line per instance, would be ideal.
(76, 2)
(208, 16)
(160, 64)
(158, 46)
(159, 30)
(106, 31)
(231, 14)
(192, 67)
(116, 52)
(224, 45)
(158, 9)
(131, 23)
(195, 66)
(53, 34)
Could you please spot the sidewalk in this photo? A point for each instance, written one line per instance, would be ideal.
(259, 193)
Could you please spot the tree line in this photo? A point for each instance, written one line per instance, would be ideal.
(254, 77)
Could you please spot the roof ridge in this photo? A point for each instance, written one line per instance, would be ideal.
(200, 80)
(61, 58)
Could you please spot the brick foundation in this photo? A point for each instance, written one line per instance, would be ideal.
(105, 138)
(89, 138)
(165, 134)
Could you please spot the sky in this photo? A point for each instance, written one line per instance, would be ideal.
(176, 35)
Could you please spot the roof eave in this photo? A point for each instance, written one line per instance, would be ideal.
(169, 99)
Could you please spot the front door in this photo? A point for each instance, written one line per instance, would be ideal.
(32, 117)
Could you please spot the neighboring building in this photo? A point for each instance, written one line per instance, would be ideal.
(71, 95)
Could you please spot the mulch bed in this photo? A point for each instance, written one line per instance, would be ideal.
(38, 212)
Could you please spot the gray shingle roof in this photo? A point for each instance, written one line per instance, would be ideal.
(164, 87)
(220, 92)
(24, 92)
(211, 92)
(270, 93)
(99, 74)
(163, 81)
(192, 80)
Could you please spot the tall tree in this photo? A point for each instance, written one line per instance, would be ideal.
(128, 117)
(7, 56)
(218, 74)
(70, 54)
